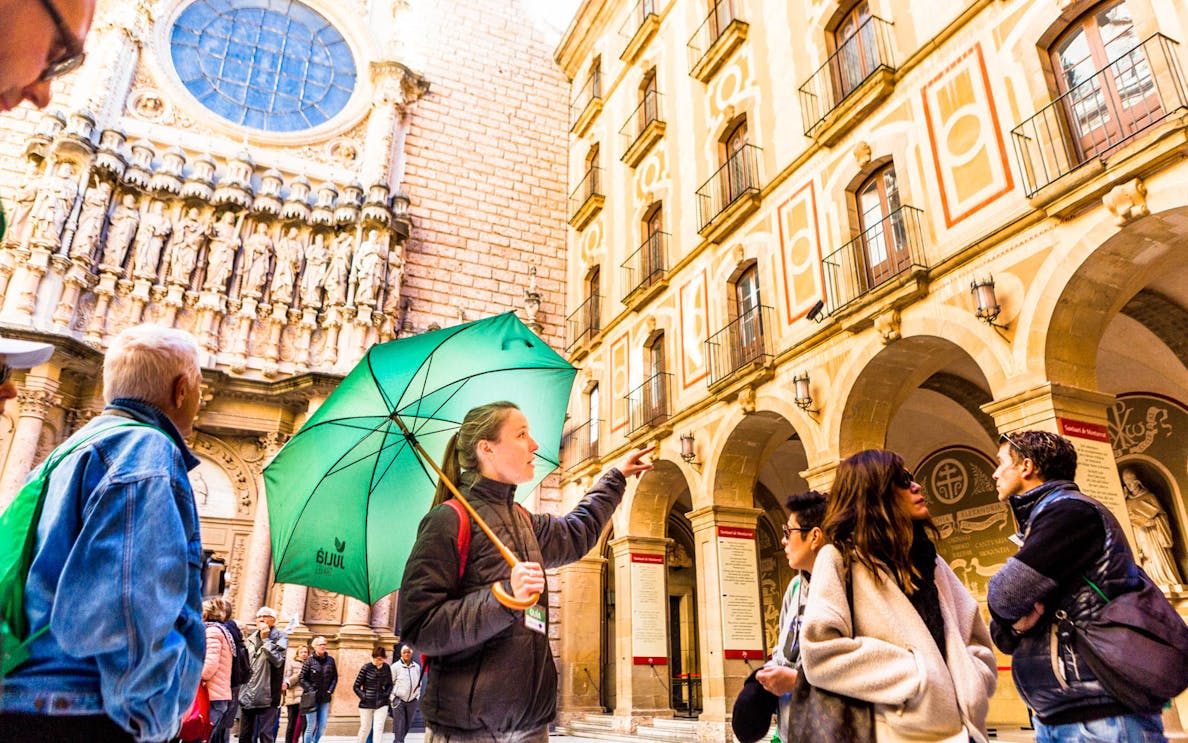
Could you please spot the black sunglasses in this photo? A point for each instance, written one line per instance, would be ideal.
(74, 56)
(903, 479)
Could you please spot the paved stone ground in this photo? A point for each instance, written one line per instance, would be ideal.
(420, 738)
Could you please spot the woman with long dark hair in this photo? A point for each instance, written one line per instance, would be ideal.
(912, 641)
(490, 675)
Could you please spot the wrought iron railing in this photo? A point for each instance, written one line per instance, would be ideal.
(737, 177)
(647, 266)
(635, 20)
(885, 250)
(647, 404)
(580, 443)
(686, 694)
(711, 29)
(745, 340)
(590, 91)
(586, 321)
(1135, 91)
(861, 55)
(588, 187)
(647, 112)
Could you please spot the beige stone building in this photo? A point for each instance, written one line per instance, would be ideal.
(802, 229)
(292, 182)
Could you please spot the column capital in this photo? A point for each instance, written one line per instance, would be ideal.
(35, 403)
(821, 476)
(711, 516)
(1040, 407)
(625, 545)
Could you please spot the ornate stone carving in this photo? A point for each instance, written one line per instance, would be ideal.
(1127, 201)
(54, 203)
(224, 244)
(317, 257)
(323, 607)
(124, 221)
(35, 403)
(155, 229)
(147, 104)
(366, 268)
(257, 262)
(288, 266)
(187, 241)
(338, 271)
(746, 399)
(861, 154)
(90, 221)
(887, 325)
(26, 197)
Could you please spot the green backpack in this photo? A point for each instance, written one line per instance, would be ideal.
(18, 541)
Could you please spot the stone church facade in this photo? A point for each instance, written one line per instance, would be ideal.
(292, 185)
(798, 230)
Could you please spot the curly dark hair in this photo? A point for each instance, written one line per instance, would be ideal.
(809, 508)
(1053, 455)
(865, 520)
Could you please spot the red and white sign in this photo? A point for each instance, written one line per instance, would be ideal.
(649, 607)
(738, 577)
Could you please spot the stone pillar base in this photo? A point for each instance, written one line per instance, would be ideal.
(713, 731)
(629, 721)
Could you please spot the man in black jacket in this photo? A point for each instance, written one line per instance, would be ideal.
(1067, 538)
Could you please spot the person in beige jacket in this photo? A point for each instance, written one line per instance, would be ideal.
(915, 644)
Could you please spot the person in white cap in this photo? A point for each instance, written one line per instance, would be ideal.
(16, 354)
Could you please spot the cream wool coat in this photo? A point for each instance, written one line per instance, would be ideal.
(892, 661)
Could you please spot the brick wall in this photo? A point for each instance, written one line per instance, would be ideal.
(485, 169)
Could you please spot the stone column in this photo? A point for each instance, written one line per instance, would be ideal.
(293, 603)
(1081, 416)
(259, 560)
(35, 399)
(77, 277)
(580, 658)
(641, 690)
(117, 39)
(381, 615)
(721, 677)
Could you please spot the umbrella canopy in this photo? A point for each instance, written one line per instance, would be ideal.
(346, 493)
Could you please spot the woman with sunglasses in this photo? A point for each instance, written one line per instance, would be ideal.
(912, 642)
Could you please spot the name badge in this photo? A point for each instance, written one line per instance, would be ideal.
(535, 618)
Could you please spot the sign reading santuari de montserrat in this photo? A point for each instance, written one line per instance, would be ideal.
(1097, 470)
(742, 618)
(649, 643)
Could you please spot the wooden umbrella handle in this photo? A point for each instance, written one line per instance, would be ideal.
(501, 595)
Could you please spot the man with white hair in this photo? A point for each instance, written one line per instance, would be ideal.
(113, 597)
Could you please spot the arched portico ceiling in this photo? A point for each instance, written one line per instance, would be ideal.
(1149, 252)
(1165, 317)
(965, 393)
(654, 497)
(744, 452)
(921, 361)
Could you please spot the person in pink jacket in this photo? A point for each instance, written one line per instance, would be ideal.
(216, 669)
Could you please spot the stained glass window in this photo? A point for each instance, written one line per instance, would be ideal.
(274, 65)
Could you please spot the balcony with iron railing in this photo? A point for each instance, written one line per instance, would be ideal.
(855, 79)
(587, 199)
(643, 129)
(892, 247)
(743, 344)
(587, 104)
(584, 323)
(645, 272)
(1129, 97)
(730, 195)
(638, 29)
(647, 404)
(715, 40)
(580, 444)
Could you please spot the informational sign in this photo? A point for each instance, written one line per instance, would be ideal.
(1097, 470)
(738, 570)
(649, 624)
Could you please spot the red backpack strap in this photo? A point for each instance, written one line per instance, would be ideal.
(463, 534)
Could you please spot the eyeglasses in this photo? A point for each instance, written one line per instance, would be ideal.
(789, 529)
(1024, 450)
(5, 373)
(903, 479)
(72, 57)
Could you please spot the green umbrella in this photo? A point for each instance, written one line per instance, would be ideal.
(346, 493)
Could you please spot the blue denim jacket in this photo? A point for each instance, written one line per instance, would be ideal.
(116, 576)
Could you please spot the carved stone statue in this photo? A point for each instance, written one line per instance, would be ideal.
(316, 258)
(90, 221)
(1152, 531)
(365, 271)
(288, 264)
(26, 197)
(338, 271)
(257, 259)
(187, 241)
(224, 243)
(124, 221)
(54, 204)
(155, 229)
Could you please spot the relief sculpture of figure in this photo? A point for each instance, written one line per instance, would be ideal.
(1152, 531)
(155, 229)
(224, 243)
(26, 198)
(338, 271)
(316, 258)
(257, 259)
(54, 204)
(124, 222)
(366, 269)
(288, 264)
(187, 241)
(90, 221)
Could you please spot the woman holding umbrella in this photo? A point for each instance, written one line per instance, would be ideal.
(490, 673)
